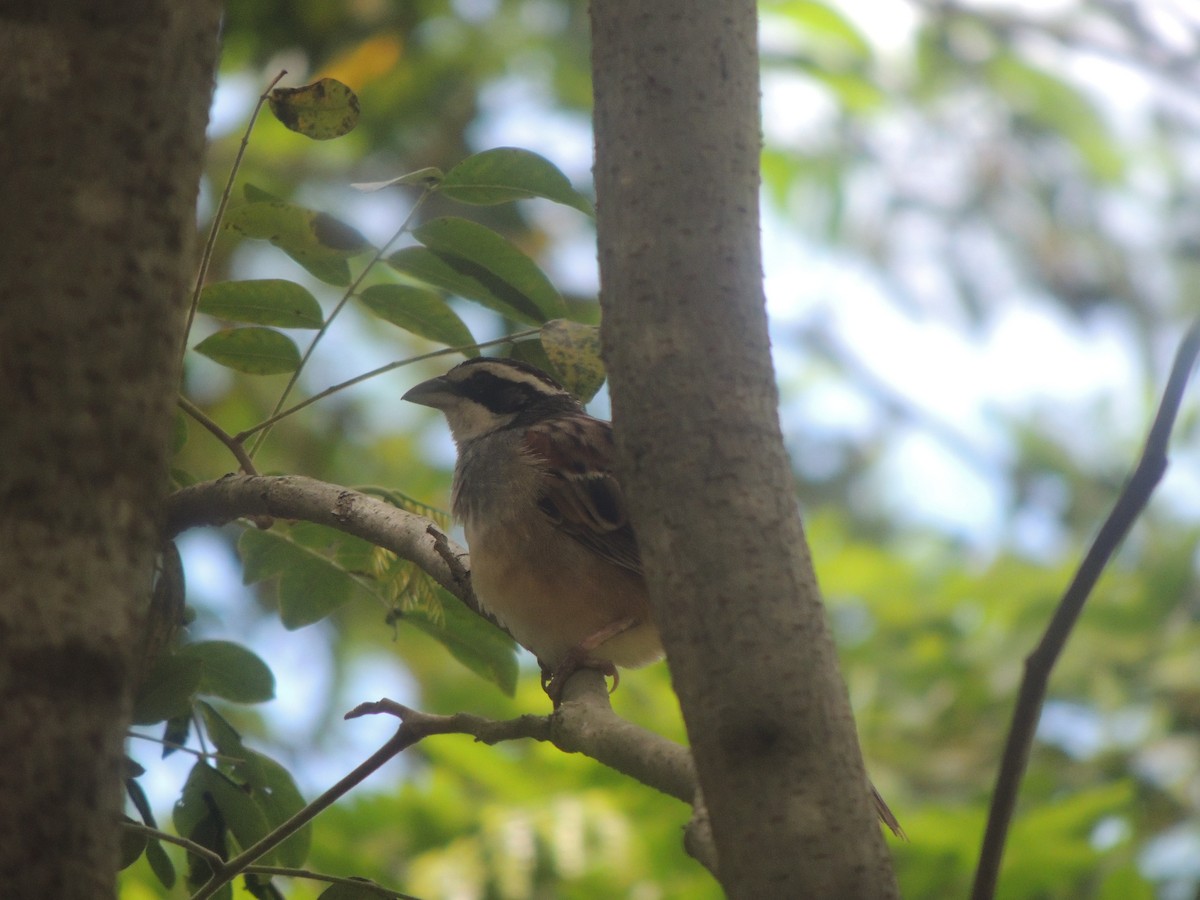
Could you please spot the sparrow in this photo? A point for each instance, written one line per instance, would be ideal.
(553, 555)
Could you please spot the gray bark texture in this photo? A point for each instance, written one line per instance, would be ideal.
(103, 107)
(702, 456)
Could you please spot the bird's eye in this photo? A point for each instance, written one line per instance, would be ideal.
(498, 395)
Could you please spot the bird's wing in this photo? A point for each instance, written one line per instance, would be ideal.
(579, 492)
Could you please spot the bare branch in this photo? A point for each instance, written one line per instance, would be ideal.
(219, 216)
(1040, 662)
(406, 534)
(584, 723)
(231, 443)
(227, 871)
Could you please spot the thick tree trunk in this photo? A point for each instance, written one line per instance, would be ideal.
(103, 106)
(710, 486)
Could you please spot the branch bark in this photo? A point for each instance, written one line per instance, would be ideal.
(1151, 466)
(409, 536)
(702, 456)
(104, 107)
(585, 723)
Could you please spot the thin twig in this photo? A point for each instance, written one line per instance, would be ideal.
(360, 884)
(227, 871)
(210, 856)
(1040, 662)
(214, 859)
(349, 292)
(445, 351)
(183, 748)
(584, 723)
(233, 444)
(219, 215)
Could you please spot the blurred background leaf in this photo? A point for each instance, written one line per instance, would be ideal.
(980, 232)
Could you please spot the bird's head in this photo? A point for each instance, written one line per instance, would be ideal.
(487, 394)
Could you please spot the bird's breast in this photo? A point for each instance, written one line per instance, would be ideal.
(551, 592)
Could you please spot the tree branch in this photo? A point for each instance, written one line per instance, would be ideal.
(230, 869)
(585, 722)
(231, 443)
(406, 534)
(700, 452)
(1040, 662)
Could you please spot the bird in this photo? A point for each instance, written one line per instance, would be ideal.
(553, 555)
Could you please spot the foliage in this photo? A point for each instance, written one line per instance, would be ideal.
(933, 628)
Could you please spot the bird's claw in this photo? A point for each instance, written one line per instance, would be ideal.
(554, 681)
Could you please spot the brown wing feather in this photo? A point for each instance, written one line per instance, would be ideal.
(579, 492)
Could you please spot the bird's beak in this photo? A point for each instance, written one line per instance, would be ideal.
(435, 393)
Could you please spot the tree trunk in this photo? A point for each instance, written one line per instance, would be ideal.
(702, 457)
(103, 106)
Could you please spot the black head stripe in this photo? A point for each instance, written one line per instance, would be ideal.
(500, 395)
(518, 365)
(527, 388)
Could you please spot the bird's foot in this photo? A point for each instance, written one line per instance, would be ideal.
(579, 657)
(554, 680)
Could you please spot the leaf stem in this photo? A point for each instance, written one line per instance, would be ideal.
(227, 871)
(267, 423)
(264, 428)
(214, 859)
(232, 443)
(219, 215)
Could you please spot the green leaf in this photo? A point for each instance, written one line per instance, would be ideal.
(160, 864)
(533, 353)
(476, 643)
(830, 28)
(168, 689)
(224, 736)
(244, 818)
(254, 194)
(459, 278)
(176, 731)
(179, 431)
(190, 809)
(260, 887)
(137, 796)
(269, 301)
(311, 585)
(423, 312)
(855, 92)
(195, 819)
(322, 110)
(1058, 107)
(133, 844)
(276, 793)
(574, 350)
(316, 240)
(255, 351)
(182, 479)
(231, 671)
(270, 785)
(475, 262)
(509, 173)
